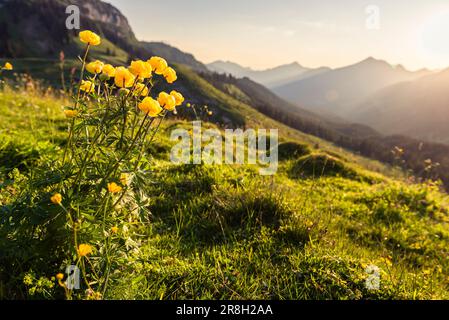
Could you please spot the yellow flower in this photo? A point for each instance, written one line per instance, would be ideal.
(158, 64)
(141, 69)
(60, 277)
(70, 113)
(114, 229)
(87, 86)
(28, 279)
(124, 78)
(170, 75)
(141, 90)
(56, 198)
(84, 250)
(210, 113)
(167, 101)
(8, 66)
(90, 38)
(150, 107)
(95, 67)
(114, 188)
(109, 70)
(178, 97)
(188, 105)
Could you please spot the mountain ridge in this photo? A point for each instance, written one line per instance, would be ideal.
(415, 108)
(339, 89)
(270, 77)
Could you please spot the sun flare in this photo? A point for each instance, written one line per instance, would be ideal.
(433, 39)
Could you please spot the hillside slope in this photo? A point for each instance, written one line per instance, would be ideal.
(174, 55)
(226, 232)
(352, 136)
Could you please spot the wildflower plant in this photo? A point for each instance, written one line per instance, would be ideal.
(112, 121)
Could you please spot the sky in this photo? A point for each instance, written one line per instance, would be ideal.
(266, 33)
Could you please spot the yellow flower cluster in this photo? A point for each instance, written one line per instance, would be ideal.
(166, 101)
(132, 79)
(110, 92)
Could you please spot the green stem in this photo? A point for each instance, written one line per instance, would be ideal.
(151, 140)
(115, 167)
(69, 142)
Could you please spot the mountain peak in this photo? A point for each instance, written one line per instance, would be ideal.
(295, 64)
(271, 78)
(400, 67)
(372, 60)
(98, 16)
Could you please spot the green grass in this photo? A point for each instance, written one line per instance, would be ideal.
(225, 232)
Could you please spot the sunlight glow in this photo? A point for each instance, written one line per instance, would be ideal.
(434, 39)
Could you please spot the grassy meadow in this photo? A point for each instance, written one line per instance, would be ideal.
(201, 231)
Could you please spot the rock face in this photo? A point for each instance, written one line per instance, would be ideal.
(37, 28)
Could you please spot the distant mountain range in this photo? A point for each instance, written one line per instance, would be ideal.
(373, 93)
(336, 91)
(418, 108)
(270, 78)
